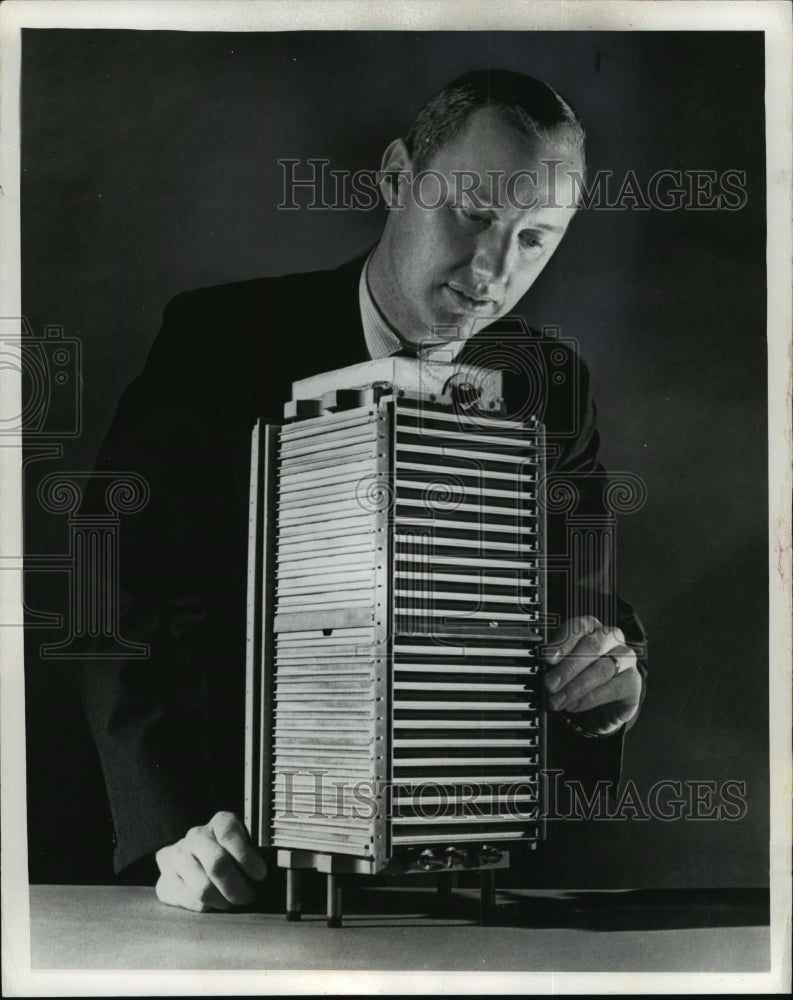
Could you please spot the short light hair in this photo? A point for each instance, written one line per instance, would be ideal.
(531, 106)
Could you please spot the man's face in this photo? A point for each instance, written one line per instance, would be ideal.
(468, 244)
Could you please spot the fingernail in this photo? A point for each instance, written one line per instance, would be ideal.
(557, 700)
(553, 656)
(552, 681)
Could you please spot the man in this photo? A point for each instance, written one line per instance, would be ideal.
(475, 214)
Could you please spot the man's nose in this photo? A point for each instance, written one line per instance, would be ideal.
(492, 257)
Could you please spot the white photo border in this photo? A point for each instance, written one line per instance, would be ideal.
(771, 16)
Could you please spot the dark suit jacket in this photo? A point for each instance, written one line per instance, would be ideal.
(169, 730)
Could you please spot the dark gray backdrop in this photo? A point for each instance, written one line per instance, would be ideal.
(149, 166)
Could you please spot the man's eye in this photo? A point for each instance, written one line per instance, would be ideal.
(530, 242)
(471, 215)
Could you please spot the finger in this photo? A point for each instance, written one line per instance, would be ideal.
(567, 637)
(625, 688)
(588, 650)
(198, 883)
(219, 866)
(172, 891)
(233, 837)
(597, 672)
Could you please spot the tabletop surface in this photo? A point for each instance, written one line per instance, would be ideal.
(113, 927)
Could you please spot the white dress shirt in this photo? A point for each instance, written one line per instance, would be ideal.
(381, 338)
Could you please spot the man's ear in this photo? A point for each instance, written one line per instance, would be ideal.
(395, 174)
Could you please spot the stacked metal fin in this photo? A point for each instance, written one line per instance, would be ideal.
(329, 658)
(468, 591)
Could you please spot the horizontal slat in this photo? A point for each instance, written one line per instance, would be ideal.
(353, 634)
(326, 668)
(294, 564)
(317, 844)
(451, 650)
(408, 409)
(315, 657)
(306, 605)
(464, 596)
(475, 473)
(469, 490)
(476, 687)
(327, 798)
(319, 493)
(475, 456)
(440, 524)
(467, 742)
(451, 762)
(433, 435)
(333, 529)
(293, 711)
(329, 509)
(288, 686)
(289, 621)
(442, 820)
(436, 507)
(328, 422)
(302, 781)
(439, 800)
(410, 612)
(317, 496)
(359, 662)
(291, 691)
(436, 538)
(328, 458)
(353, 756)
(347, 472)
(459, 780)
(320, 443)
(360, 764)
(464, 668)
(468, 724)
(447, 706)
(515, 582)
(333, 644)
(459, 837)
(321, 582)
(351, 696)
(502, 564)
(327, 595)
(349, 830)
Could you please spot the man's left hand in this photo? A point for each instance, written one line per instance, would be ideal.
(593, 675)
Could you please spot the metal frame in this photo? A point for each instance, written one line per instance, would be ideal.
(259, 639)
(259, 723)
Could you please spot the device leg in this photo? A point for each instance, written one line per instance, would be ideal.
(487, 895)
(334, 901)
(292, 894)
(447, 883)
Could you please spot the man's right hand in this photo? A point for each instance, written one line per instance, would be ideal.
(213, 867)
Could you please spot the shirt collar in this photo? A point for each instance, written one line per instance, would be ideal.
(381, 339)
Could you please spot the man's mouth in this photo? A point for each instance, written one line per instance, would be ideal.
(468, 299)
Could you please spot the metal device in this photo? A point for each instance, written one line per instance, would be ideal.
(394, 716)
